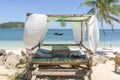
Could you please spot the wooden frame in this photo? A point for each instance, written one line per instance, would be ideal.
(87, 63)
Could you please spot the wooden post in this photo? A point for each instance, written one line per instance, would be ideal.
(89, 66)
(81, 40)
(29, 66)
(39, 45)
(89, 51)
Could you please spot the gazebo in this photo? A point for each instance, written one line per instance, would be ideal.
(35, 30)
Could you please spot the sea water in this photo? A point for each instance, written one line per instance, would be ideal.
(13, 38)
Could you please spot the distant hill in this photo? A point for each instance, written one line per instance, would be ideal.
(12, 25)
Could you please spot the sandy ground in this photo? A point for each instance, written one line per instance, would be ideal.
(105, 71)
(102, 71)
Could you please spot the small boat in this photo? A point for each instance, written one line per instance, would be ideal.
(58, 33)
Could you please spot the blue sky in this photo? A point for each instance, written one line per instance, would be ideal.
(15, 10)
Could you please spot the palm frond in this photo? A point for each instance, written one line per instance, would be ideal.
(91, 11)
(88, 3)
(115, 9)
(99, 17)
(115, 19)
(109, 21)
(105, 10)
(112, 1)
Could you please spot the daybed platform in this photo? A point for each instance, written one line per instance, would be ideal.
(60, 55)
(59, 66)
(60, 61)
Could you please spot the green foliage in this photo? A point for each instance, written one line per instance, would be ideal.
(23, 53)
(106, 10)
(12, 25)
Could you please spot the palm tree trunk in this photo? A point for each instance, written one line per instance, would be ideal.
(117, 20)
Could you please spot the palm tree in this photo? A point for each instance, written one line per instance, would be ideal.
(105, 10)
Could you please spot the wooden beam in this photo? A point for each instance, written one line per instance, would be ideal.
(90, 52)
(62, 72)
(61, 44)
(64, 15)
(81, 40)
(68, 20)
(69, 15)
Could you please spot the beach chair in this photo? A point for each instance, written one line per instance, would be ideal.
(117, 61)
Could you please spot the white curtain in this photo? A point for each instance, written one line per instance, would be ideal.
(77, 31)
(35, 29)
(93, 33)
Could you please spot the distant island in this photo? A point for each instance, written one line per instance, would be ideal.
(12, 25)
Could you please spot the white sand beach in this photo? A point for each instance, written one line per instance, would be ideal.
(102, 71)
(105, 71)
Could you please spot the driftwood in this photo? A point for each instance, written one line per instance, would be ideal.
(117, 61)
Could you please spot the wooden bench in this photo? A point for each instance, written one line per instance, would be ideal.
(47, 63)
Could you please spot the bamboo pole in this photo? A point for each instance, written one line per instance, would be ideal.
(90, 52)
(61, 44)
(64, 15)
(69, 15)
(81, 40)
(33, 48)
(29, 67)
(68, 20)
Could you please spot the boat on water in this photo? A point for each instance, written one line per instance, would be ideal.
(58, 33)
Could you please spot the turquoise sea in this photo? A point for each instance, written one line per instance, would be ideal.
(13, 38)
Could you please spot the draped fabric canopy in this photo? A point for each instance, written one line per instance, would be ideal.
(93, 33)
(77, 26)
(36, 28)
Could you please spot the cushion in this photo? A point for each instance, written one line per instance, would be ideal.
(43, 53)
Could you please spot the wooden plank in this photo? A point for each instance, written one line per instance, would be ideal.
(61, 44)
(69, 20)
(69, 15)
(62, 72)
(57, 70)
(34, 76)
(60, 61)
(36, 46)
(66, 15)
